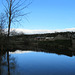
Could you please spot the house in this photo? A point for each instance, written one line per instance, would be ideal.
(60, 37)
(49, 38)
(40, 38)
(43, 38)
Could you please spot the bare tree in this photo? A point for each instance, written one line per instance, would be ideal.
(2, 23)
(14, 10)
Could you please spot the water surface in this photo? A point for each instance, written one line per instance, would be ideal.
(39, 63)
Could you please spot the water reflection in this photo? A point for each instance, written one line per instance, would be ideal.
(58, 52)
(19, 52)
(6, 63)
(37, 62)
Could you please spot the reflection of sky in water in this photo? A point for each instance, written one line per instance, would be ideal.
(19, 52)
(40, 63)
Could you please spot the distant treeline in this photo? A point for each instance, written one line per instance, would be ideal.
(51, 34)
(44, 34)
(23, 40)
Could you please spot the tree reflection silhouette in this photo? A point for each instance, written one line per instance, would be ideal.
(7, 64)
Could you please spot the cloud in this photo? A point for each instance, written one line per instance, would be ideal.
(41, 31)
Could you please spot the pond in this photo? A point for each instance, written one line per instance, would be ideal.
(28, 62)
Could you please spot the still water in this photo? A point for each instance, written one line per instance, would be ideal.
(38, 63)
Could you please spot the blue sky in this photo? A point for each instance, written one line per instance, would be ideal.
(49, 15)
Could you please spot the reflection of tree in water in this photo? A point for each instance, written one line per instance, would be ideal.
(4, 64)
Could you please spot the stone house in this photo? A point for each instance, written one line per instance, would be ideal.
(60, 37)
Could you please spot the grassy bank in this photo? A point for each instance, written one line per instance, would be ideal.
(57, 44)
